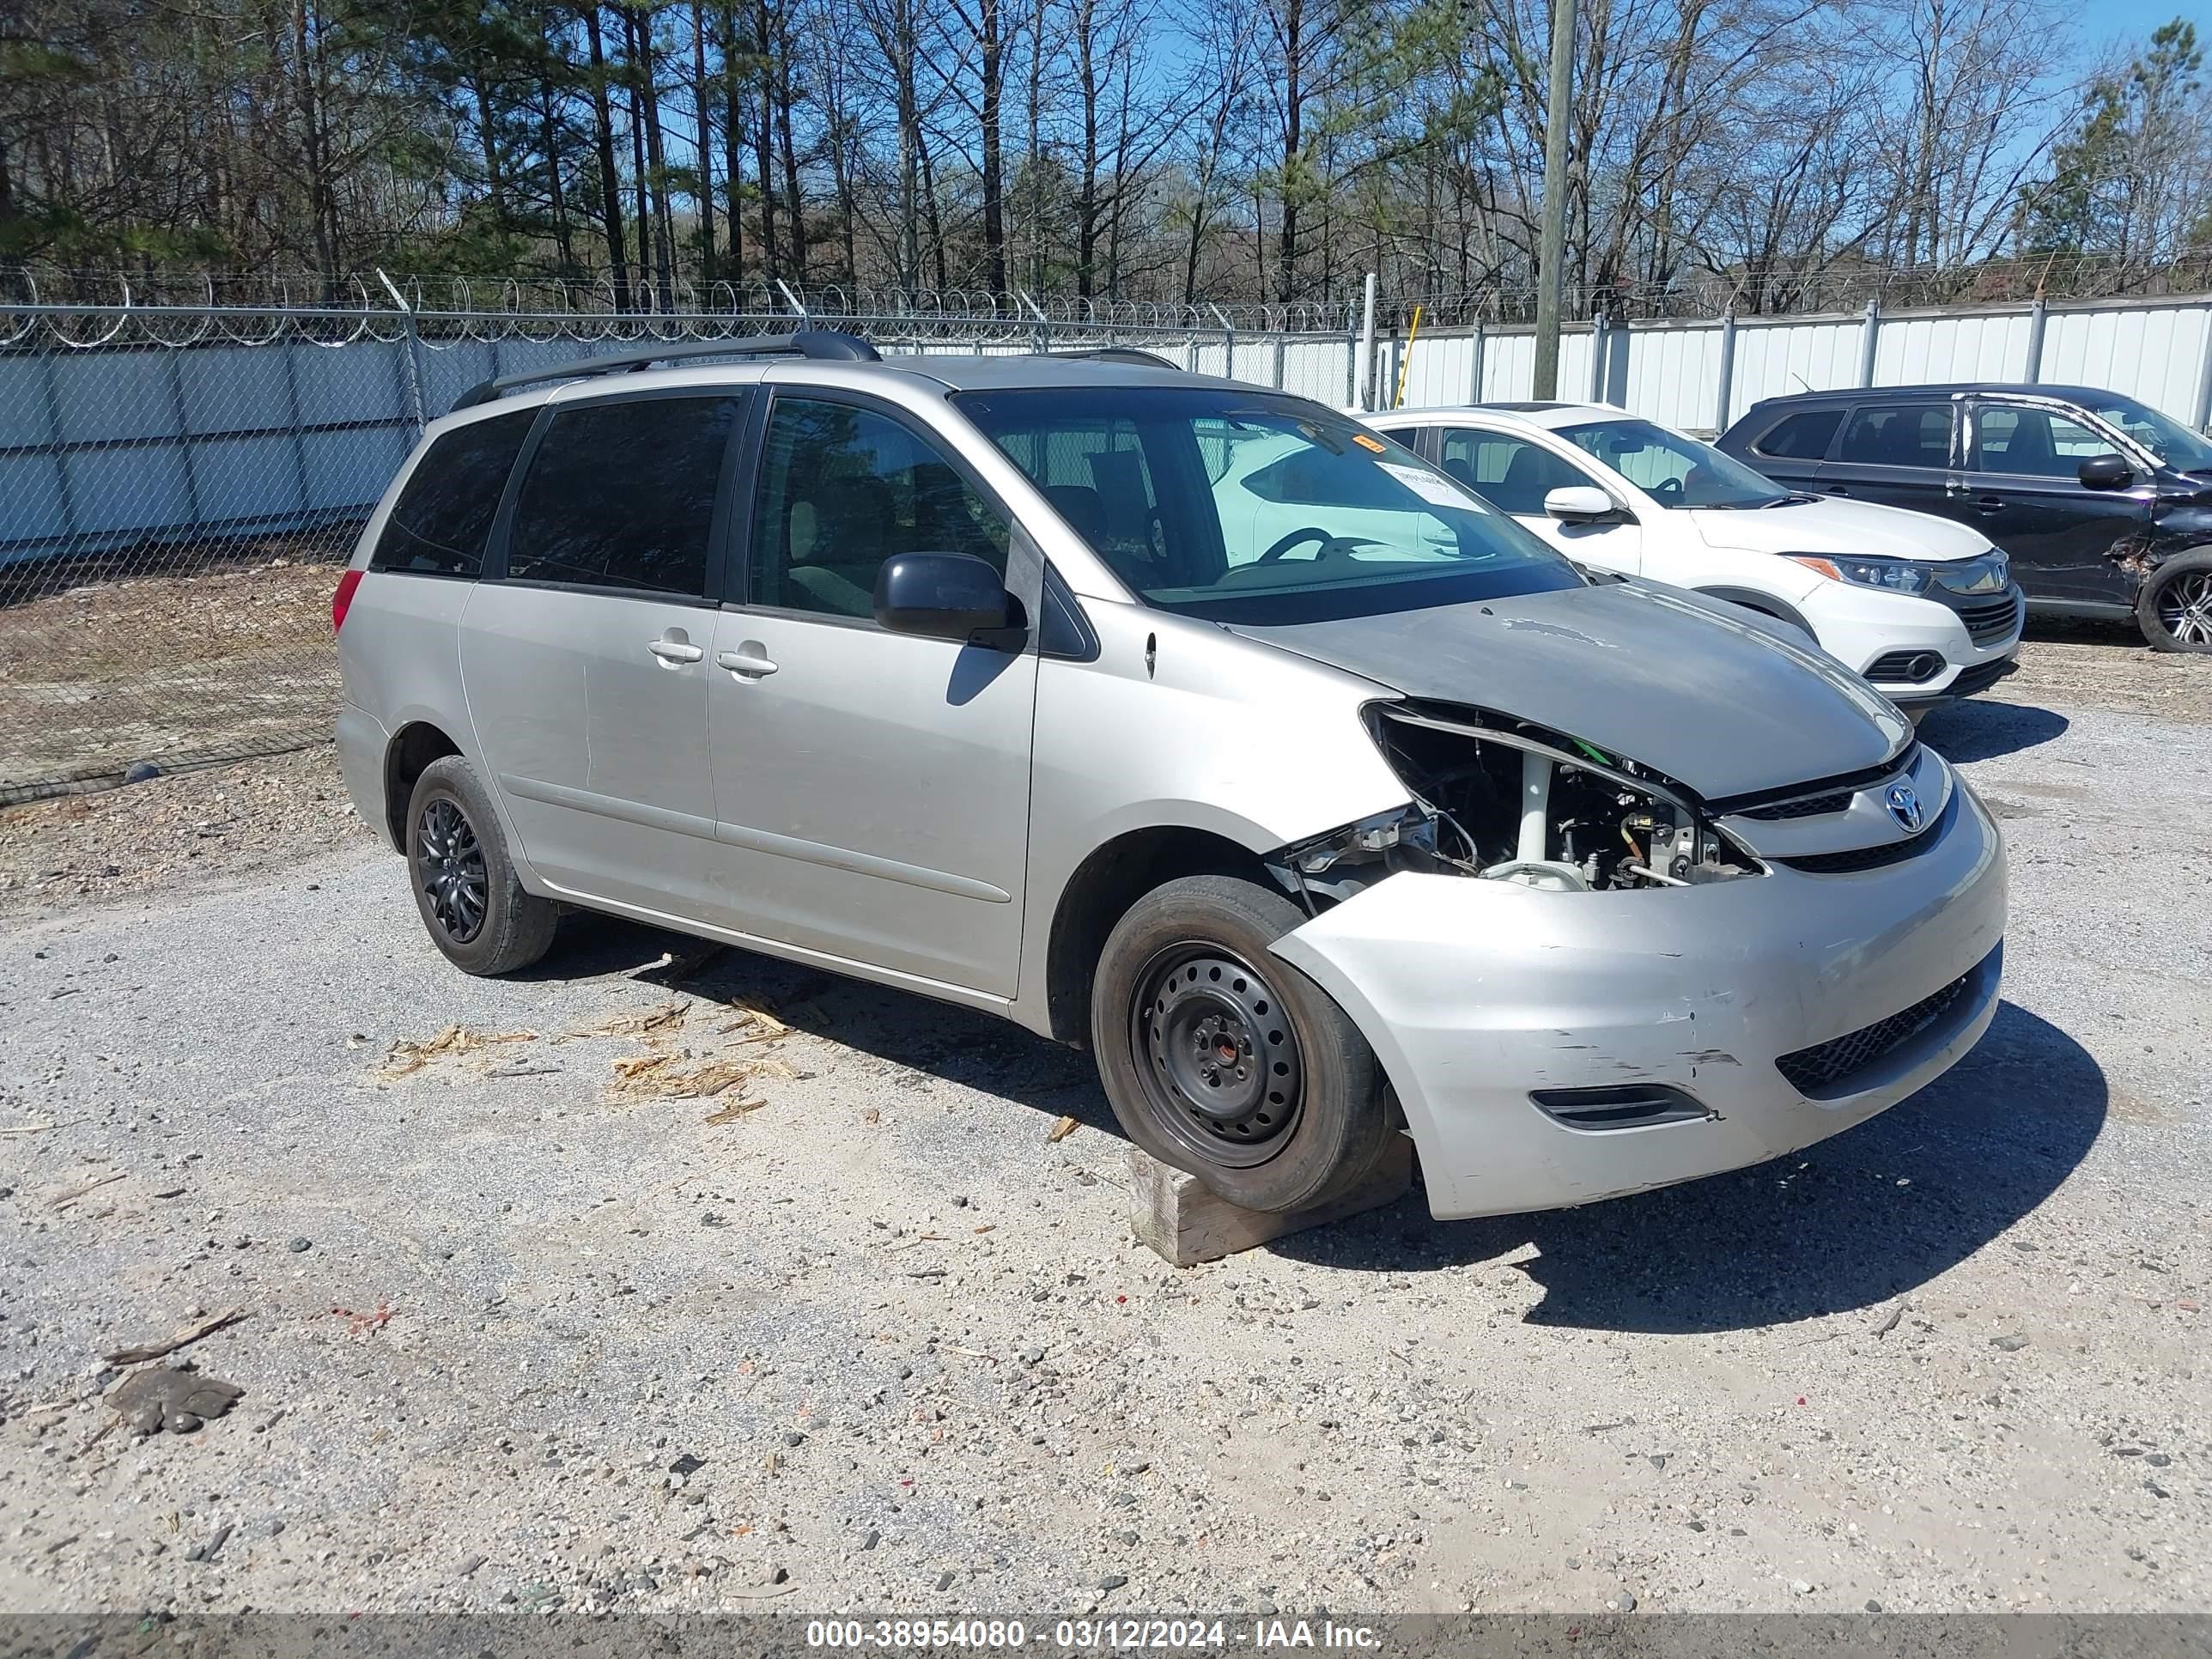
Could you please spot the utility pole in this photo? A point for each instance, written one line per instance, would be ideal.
(1552, 251)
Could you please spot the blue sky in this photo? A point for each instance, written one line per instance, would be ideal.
(2125, 22)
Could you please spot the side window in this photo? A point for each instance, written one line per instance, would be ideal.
(1899, 435)
(1096, 474)
(622, 494)
(1512, 474)
(842, 490)
(1804, 437)
(2034, 441)
(440, 523)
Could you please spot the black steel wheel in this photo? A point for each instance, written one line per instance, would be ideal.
(449, 868)
(1221, 1058)
(1225, 1073)
(473, 902)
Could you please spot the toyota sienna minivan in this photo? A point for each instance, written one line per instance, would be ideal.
(972, 676)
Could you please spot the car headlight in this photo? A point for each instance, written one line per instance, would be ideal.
(1898, 575)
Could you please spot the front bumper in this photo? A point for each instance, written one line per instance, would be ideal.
(1875, 632)
(1475, 994)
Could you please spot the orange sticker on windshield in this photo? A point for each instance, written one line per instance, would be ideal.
(1366, 442)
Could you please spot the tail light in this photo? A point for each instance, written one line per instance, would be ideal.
(342, 600)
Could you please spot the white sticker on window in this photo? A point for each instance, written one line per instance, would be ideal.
(1432, 488)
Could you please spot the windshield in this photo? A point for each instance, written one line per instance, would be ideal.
(1673, 470)
(2164, 436)
(1243, 507)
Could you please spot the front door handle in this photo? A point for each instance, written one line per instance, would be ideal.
(750, 660)
(674, 651)
(1838, 490)
(1990, 503)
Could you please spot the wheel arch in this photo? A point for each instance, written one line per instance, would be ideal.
(1111, 877)
(407, 756)
(1765, 604)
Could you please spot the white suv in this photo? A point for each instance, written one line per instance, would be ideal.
(1924, 608)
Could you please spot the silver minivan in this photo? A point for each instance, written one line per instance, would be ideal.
(973, 676)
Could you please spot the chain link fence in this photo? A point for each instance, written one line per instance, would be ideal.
(179, 482)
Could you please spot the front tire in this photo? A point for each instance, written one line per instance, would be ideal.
(2174, 609)
(472, 901)
(1222, 1060)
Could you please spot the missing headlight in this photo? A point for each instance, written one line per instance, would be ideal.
(1516, 802)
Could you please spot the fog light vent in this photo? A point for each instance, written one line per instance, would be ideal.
(1628, 1106)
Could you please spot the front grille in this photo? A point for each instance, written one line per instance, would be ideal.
(1808, 807)
(1989, 620)
(1827, 1068)
(1874, 857)
(1754, 802)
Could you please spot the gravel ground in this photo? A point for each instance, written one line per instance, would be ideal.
(853, 1329)
(170, 668)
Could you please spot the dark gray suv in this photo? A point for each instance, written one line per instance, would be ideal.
(2103, 504)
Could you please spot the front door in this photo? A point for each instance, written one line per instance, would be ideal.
(585, 663)
(873, 787)
(2025, 493)
(1515, 473)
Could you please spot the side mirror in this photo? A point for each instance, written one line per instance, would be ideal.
(1579, 504)
(2106, 472)
(943, 596)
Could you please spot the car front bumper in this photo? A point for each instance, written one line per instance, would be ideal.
(1476, 994)
(1868, 628)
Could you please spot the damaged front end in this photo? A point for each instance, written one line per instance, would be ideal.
(1500, 799)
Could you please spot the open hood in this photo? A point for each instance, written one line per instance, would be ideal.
(1694, 688)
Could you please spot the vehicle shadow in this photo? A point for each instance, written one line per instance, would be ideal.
(956, 1045)
(1844, 1224)
(1980, 730)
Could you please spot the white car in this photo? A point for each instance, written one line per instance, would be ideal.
(1923, 608)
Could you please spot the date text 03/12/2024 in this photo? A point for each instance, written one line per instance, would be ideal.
(1086, 1634)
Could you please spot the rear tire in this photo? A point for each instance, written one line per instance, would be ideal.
(472, 901)
(2174, 609)
(1223, 1060)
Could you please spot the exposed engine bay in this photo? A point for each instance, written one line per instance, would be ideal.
(1507, 800)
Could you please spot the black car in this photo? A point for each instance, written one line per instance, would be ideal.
(2103, 504)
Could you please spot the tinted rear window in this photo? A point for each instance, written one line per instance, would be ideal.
(1899, 435)
(1803, 436)
(622, 494)
(443, 516)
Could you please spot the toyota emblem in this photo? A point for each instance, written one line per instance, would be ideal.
(1905, 807)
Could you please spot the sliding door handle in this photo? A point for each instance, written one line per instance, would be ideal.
(674, 651)
(748, 661)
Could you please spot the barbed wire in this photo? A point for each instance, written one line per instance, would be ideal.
(479, 307)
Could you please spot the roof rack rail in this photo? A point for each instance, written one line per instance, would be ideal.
(1123, 355)
(827, 344)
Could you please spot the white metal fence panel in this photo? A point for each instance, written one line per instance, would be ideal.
(1773, 359)
(1918, 350)
(1670, 375)
(1509, 366)
(2160, 354)
(1439, 369)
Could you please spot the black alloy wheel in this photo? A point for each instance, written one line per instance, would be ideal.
(449, 868)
